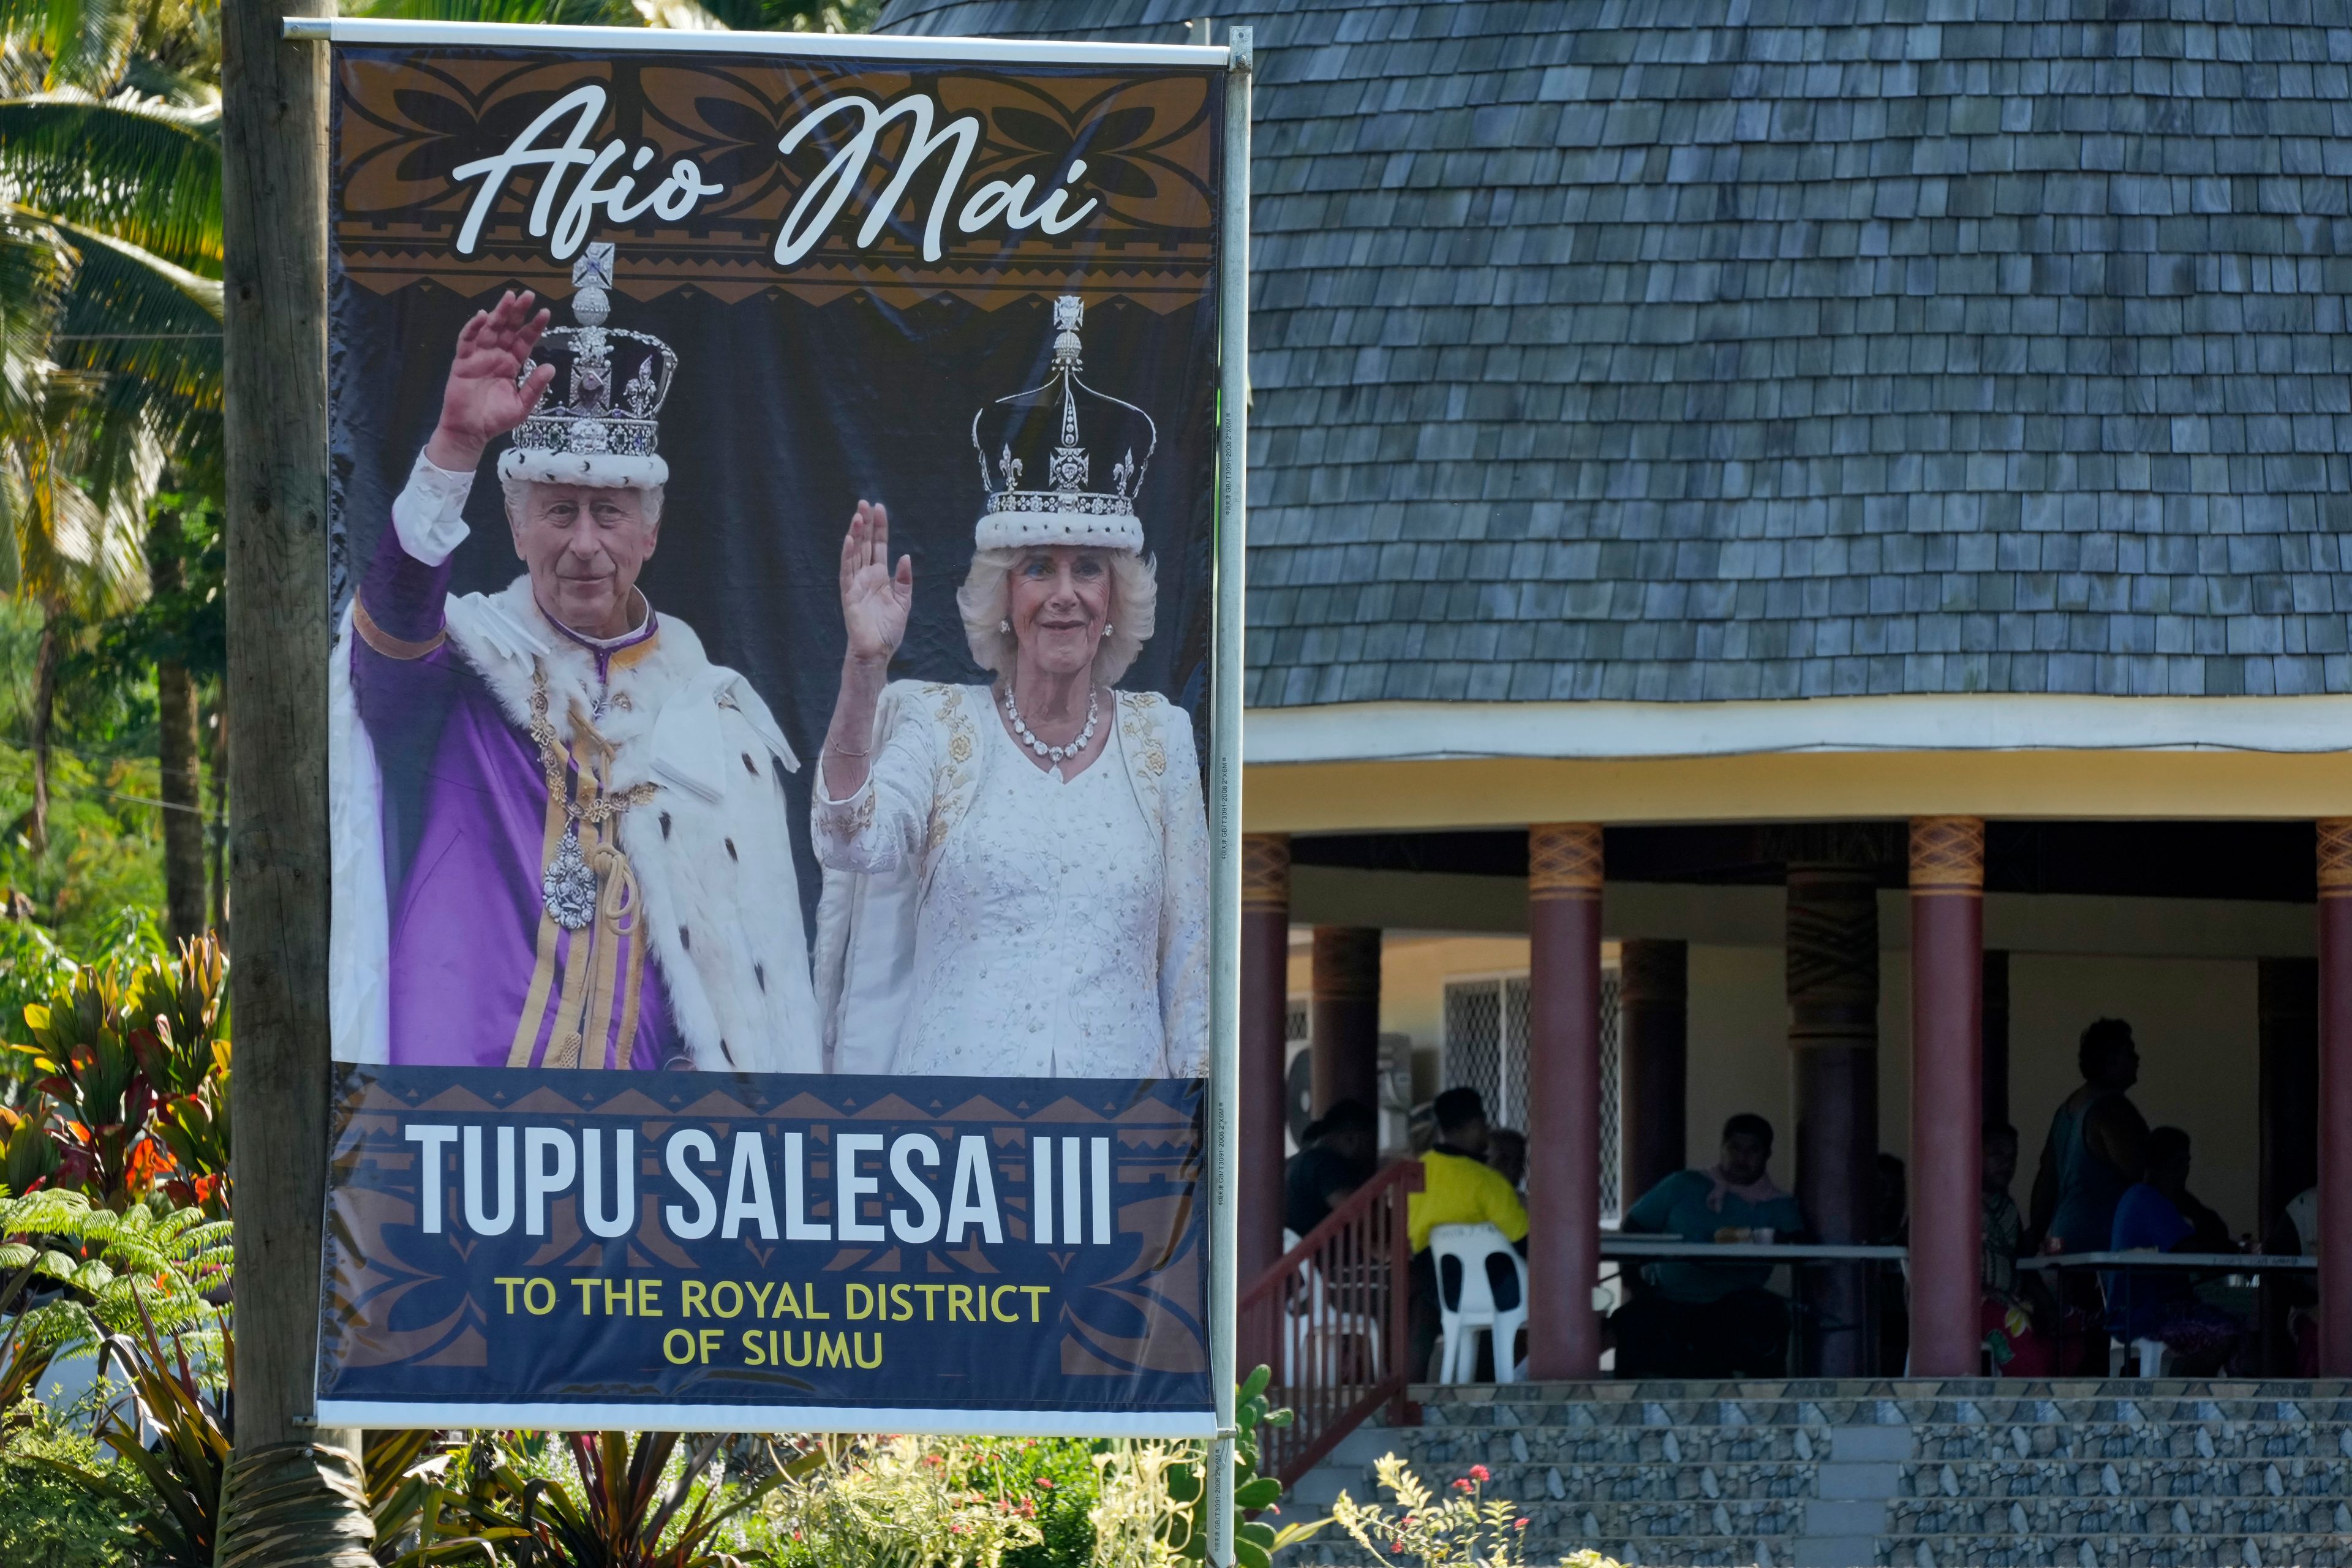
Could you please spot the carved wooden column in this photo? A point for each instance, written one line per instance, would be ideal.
(1265, 1001)
(1833, 983)
(1946, 1090)
(1653, 1040)
(1347, 1029)
(2335, 1096)
(2287, 1032)
(1564, 1094)
(1996, 1036)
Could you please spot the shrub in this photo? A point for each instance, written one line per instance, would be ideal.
(48, 1519)
(1466, 1526)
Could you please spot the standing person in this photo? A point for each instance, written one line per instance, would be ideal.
(1458, 1187)
(1711, 1319)
(546, 855)
(1334, 1159)
(1017, 871)
(2097, 1149)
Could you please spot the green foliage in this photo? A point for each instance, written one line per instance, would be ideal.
(53, 1519)
(134, 1061)
(1465, 1527)
(1187, 1533)
(893, 1502)
(636, 1502)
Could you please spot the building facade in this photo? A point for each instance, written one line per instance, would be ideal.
(1796, 560)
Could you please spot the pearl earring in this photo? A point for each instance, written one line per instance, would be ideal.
(1004, 625)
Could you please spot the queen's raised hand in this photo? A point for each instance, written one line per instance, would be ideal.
(874, 604)
(874, 599)
(487, 393)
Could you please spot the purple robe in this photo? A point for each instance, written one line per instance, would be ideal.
(480, 976)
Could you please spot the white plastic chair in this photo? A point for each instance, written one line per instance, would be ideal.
(1318, 1330)
(2150, 1353)
(1474, 1307)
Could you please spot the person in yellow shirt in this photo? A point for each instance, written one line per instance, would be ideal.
(1458, 1187)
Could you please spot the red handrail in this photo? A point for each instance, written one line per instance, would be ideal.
(1330, 1318)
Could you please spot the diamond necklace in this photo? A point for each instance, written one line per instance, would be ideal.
(1054, 753)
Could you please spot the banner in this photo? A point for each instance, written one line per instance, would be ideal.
(773, 514)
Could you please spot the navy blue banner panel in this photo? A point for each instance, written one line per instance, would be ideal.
(581, 1249)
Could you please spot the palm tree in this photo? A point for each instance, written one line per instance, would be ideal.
(110, 160)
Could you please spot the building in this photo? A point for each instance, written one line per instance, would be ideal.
(1821, 524)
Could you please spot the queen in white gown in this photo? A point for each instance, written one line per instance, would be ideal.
(1016, 873)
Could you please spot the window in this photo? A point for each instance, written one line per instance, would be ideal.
(1486, 1048)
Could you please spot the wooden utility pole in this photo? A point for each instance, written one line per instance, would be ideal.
(292, 1497)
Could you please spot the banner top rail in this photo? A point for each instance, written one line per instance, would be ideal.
(833, 45)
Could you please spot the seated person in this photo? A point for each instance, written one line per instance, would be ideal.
(2156, 1215)
(1458, 1187)
(1711, 1319)
(2011, 1318)
(1334, 1159)
(1507, 1151)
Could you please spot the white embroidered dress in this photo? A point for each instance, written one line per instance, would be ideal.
(984, 917)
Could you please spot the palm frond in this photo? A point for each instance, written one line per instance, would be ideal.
(136, 169)
(151, 331)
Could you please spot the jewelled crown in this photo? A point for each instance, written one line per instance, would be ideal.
(1061, 463)
(588, 430)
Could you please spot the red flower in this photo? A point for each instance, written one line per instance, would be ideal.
(1462, 1485)
(1478, 1474)
(1520, 1524)
(1396, 1546)
(1044, 1481)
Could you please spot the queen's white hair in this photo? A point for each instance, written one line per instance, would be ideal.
(986, 596)
(518, 494)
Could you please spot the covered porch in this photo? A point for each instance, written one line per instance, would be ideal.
(1870, 985)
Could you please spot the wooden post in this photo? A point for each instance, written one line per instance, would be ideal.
(2335, 1096)
(1947, 1086)
(1653, 1018)
(1564, 871)
(1346, 1003)
(291, 1495)
(1833, 987)
(2287, 1113)
(1266, 996)
(1996, 1037)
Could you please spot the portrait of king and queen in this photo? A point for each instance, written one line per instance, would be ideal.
(562, 832)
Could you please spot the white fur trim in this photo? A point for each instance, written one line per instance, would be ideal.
(607, 470)
(358, 1002)
(1018, 530)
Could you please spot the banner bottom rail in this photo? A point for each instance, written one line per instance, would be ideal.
(384, 1414)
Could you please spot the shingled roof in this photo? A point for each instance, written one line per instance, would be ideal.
(1690, 350)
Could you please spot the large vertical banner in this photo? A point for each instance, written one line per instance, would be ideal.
(773, 503)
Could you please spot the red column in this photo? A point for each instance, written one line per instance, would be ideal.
(1347, 1028)
(2335, 1096)
(1266, 997)
(1564, 1095)
(1947, 1093)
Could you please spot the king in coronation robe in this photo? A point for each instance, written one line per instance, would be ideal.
(560, 830)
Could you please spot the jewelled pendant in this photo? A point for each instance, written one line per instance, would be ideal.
(570, 886)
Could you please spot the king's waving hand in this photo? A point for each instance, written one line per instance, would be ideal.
(561, 829)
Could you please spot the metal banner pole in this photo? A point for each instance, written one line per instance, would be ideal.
(1225, 785)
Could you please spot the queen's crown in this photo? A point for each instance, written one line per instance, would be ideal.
(1062, 463)
(582, 411)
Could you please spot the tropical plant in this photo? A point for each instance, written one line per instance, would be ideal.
(632, 1507)
(894, 1502)
(1466, 1526)
(134, 1058)
(1186, 1532)
(420, 1519)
